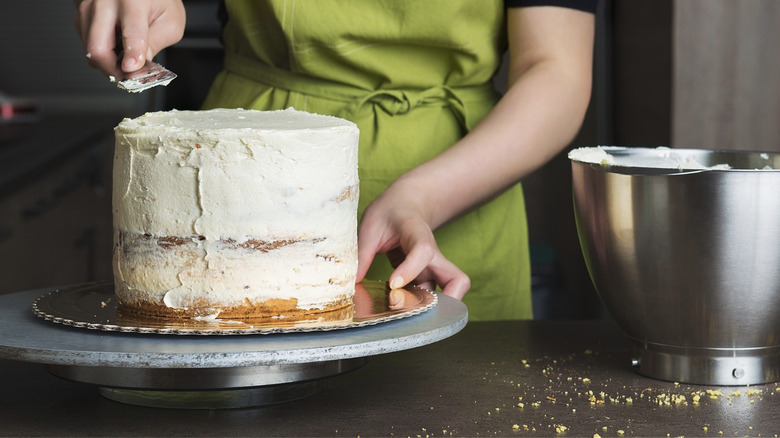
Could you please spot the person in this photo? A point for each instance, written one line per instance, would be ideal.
(441, 153)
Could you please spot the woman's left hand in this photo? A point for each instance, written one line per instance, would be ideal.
(550, 65)
(395, 224)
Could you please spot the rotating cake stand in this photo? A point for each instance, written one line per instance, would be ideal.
(210, 371)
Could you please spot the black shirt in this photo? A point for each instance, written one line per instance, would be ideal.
(582, 5)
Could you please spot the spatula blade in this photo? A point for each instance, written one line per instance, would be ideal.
(151, 75)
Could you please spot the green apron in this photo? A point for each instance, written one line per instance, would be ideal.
(414, 76)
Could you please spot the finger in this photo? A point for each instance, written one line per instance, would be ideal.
(166, 28)
(79, 22)
(452, 280)
(367, 249)
(99, 30)
(430, 271)
(134, 18)
(417, 260)
(83, 19)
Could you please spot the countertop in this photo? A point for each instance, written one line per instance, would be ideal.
(519, 378)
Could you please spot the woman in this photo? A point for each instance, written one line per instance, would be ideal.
(441, 153)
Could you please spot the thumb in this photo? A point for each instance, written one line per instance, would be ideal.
(135, 35)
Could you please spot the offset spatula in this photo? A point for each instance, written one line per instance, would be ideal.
(151, 75)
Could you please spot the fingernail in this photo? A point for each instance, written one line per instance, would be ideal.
(132, 62)
(128, 63)
(396, 283)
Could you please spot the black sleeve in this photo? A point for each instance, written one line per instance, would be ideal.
(582, 5)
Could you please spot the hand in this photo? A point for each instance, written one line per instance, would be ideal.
(551, 52)
(393, 224)
(145, 27)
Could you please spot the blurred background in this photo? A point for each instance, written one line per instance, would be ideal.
(680, 73)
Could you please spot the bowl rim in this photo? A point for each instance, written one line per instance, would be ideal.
(608, 163)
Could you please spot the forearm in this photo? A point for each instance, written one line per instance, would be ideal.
(520, 135)
(538, 116)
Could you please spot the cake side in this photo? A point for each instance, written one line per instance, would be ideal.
(235, 209)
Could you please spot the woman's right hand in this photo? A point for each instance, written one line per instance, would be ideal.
(398, 224)
(140, 28)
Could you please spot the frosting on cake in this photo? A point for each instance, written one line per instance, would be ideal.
(235, 213)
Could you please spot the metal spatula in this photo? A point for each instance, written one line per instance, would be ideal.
(151, 75)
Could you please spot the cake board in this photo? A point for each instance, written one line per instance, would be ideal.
(191, 371)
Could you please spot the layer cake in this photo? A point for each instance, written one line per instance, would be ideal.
(232, 213)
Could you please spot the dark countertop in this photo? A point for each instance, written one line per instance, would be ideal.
(571, 374)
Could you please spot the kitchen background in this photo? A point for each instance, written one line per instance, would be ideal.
(682, 73)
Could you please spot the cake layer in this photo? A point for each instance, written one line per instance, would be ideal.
(222, 173)
(211, 276)
(285, 310)
(235, 209)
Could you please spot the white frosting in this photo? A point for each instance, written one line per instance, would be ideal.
(657, 158)
(595, 155)
(222, 179)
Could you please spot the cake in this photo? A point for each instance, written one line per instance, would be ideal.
(236, 214)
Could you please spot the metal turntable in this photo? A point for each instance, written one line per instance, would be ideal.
(211, 365)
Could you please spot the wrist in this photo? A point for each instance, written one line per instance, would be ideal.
(418, 193)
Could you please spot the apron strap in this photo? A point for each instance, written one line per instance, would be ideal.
(391, 101)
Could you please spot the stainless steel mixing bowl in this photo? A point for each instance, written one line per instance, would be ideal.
(687, 260)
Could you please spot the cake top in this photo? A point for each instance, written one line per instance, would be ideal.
(227, 173)
(231, 119)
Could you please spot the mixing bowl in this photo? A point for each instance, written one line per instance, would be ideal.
(683, 248)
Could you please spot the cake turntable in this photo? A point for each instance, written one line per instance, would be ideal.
(211, 366)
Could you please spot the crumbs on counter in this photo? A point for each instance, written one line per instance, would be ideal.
(567, 385)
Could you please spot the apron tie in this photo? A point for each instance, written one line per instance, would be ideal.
(395, 102)
(391, 101)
